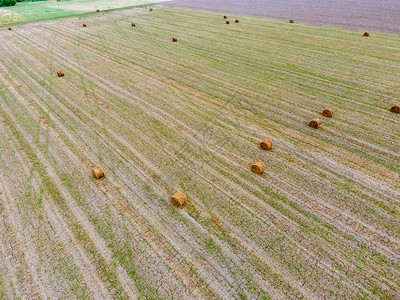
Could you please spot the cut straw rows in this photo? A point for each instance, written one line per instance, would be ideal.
(207, 190)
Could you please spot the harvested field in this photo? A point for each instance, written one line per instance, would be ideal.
(380, 15)
(322, 222)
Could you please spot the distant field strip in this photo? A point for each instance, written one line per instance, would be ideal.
(92, 5)
(52, 9)
(9, 16)
(321, 222)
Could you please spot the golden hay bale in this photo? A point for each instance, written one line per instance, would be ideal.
(174, 39)
(227, 22)
(395, 109)
(315, 123)
(328, 112)
(257, 167)
(291, 21)
(9, 28)
(60, 73)
(98, 10)
(366, 33)
(151, 9)
(98, 172)
(178, 199)
(236, 21)
(225, 17)
(266, 144)
(83, 25)
(133, 25)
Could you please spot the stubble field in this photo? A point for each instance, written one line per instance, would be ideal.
(322, 221)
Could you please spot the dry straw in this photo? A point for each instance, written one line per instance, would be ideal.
(291, 21)
(395, 109)
(151, 9)
(98, 10)
(366, 33)
(227, 22)
(133, 25)
(9, 28)
(83, 25)
(257, 167)
(60, 74)
(225, 17)
(236, 21)
(328, 112)
(178, 199)
(217, 222)
(174, 39)
(266, 144)
(315, 123)
(98, 172)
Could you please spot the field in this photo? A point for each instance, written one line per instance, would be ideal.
(322, 221)
(368, 15)
(51, 9)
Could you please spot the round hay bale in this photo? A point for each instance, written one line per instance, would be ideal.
(175, 39)
(133, 25)
(236, 21)
(98, 172)
(328, 112)
(225, 17)
(60, 74)
(9, 28)
(178, 199)
(395, 109)
(227, 22)
(266, 144)
(257, 167)
(366, 33)
(98, 10)
(83, 25)
(151, 9)
(315, 123)
(291, 21)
